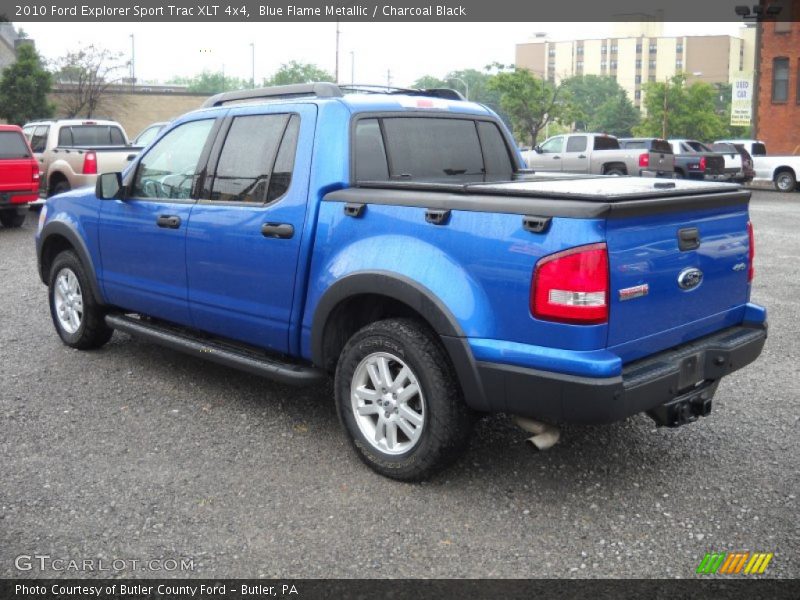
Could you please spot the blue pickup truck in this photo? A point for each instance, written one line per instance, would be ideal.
(395, 242)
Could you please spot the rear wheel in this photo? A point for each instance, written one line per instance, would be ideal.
(61, 187)
(12, 218)
(79, 320)
(399, 401)
(785, 181)
(615, 171)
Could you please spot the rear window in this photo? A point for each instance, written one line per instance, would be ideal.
(606, 143)
(697, 147)
(90, 135)
(429, 149)
(724, 148)
(12, 145)
(661, 146)
(759, 150)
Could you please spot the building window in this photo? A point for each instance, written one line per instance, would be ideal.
(653, 48)
(679, 49)
(637, 95)
(551, 52)
(780, 79)
(579, 50)
(652, 64)
(639, 48)
(613, 64)
(603, 65)
(638, 63)
(638, 79)
(678, 64)
(603, 50)
(614, 49)
(651, 77)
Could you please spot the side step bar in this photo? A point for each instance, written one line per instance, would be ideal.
(242, 359)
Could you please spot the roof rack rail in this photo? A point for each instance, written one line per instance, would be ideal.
(321, 90)
(324, 90)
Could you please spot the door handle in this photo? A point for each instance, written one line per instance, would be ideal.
(556, 157)
(168, 221)
(277, 230)
(582, 156)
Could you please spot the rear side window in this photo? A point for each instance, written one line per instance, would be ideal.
(576, 143)
(429, 149)
(39, 138)
(606, 143)
(635, 145)
(12, 145)
(257, 160)
(90, 135)
(759, 150)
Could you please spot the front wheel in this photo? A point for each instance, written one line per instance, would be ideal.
(785, 181)
(79, 320)
(399, 400)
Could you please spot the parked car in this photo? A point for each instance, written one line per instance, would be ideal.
(271, 232)
(148, 134)
(736, 157)
(597, 153)
(72, 152)
(652, 146)
(693, 160)
(19, 176)
(781, 171)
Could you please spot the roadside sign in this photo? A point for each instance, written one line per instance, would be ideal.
(742, 98)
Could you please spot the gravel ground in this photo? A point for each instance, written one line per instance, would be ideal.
(137, 452)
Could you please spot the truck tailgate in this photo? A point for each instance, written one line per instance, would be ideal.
(675, 277)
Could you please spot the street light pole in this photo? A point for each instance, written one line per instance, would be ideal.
(352, 67)
(465, 84)
(133, 63)
(252, 65)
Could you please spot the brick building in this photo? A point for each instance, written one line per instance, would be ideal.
(778, 112)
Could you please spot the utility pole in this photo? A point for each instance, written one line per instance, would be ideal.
(336, 75)
(252, 65)
(133, 63)
(388, 78)
(664, 122)
(352, 67)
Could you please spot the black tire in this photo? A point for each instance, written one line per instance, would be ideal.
(618, 171)
(12, 218)
(61, 187)
(92, 331)
(447, 421)
(680, 175)
(785, 181)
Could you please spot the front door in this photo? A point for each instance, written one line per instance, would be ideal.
(143, 236)
(246, 229)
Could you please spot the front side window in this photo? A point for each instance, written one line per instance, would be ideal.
(245, 166)
(553, 145)
(168, 169)
(39, 138)
(780, 80)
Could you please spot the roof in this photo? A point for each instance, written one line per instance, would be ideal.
(69, 122)
(10, 128)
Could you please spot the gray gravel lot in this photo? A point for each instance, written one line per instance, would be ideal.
(137, 452)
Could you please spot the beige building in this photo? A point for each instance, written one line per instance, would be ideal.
(638, 54)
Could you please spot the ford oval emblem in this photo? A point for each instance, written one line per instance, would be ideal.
(690, 278)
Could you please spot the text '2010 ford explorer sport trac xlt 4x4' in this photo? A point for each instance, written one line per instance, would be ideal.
(393, 241)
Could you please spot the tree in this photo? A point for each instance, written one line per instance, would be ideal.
(677, 110)
(530, 102)
(24, 87)
(210, 82)
(86, 77)
(297, 72)
(599, 103)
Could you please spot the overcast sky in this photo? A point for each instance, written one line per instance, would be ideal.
(408, 50)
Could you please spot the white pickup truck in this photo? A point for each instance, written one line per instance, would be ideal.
(599, 154)
(782, 171)
(73, 152)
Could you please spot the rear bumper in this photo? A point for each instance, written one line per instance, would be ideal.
(673, 387)
(16, 197)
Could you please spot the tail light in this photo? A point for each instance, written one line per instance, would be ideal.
(572, 286)
(35, 173)
(751, 252)
(702, 163)
(90, 163)
(644, 159)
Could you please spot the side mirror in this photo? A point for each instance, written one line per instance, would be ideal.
(108, 186)
(537, 148)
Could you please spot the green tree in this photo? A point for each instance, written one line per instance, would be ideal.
(210, 82)
(297, 72)
(677, 110)
(24, 87)
(530, 102)
(599, 103)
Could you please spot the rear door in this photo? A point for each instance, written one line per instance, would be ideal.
(245, 231)
(143, 237)
(675, 277)
(576, 157)
(16, 173)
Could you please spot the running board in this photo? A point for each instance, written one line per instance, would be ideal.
(242, 359)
